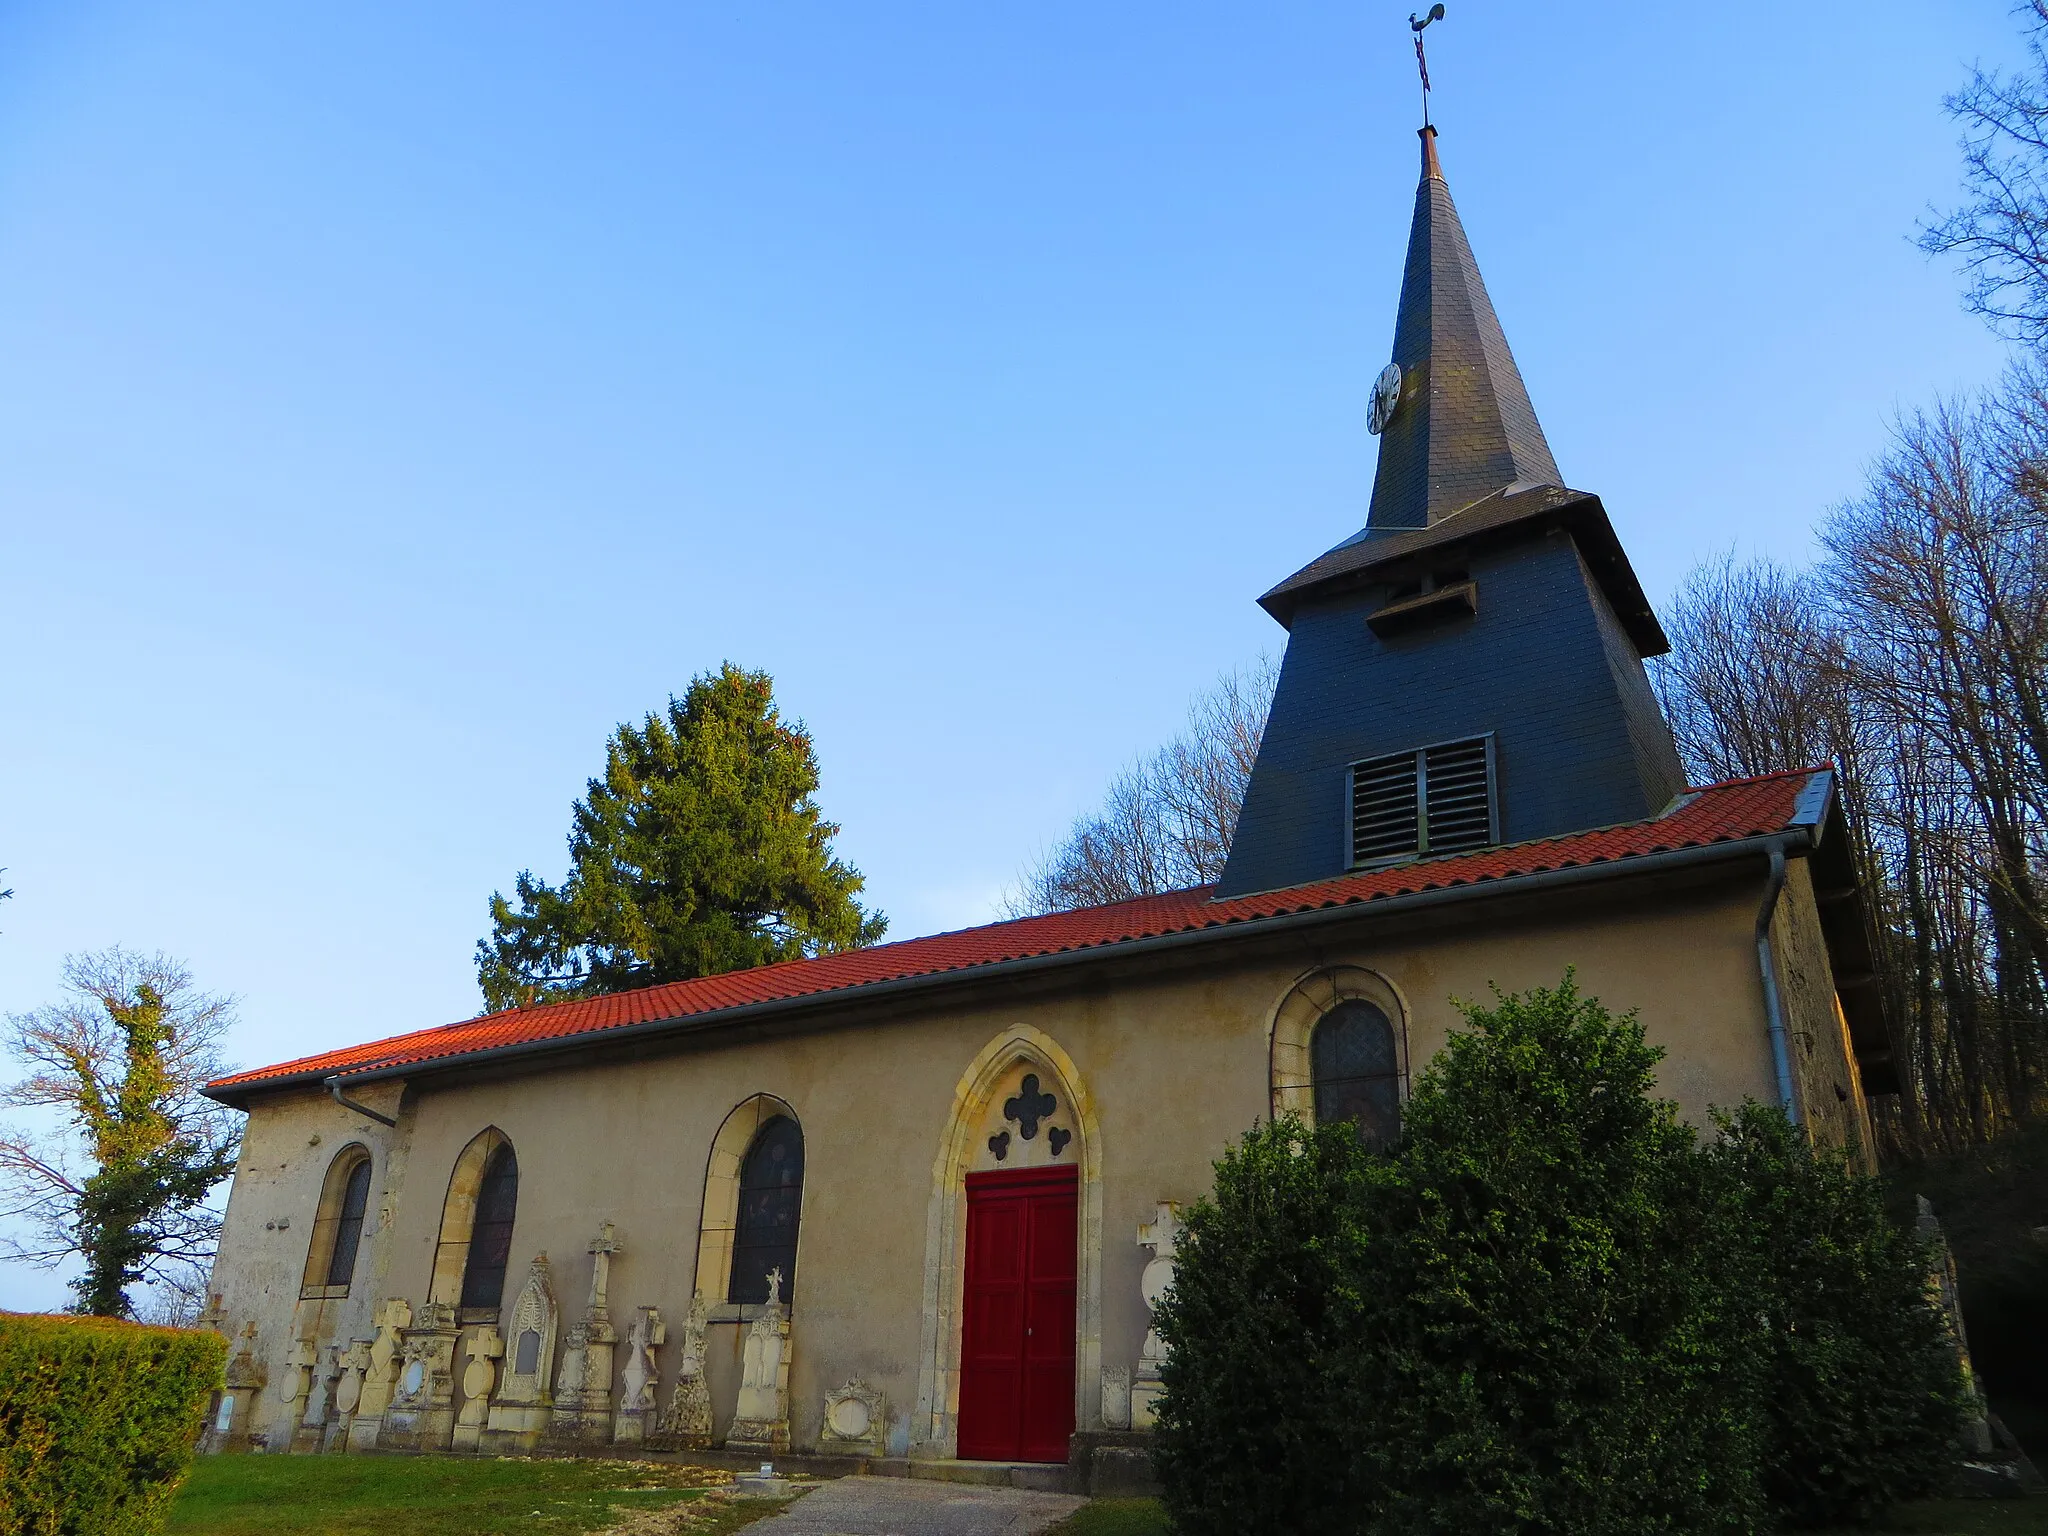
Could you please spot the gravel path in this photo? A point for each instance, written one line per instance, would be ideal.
(902, 1506)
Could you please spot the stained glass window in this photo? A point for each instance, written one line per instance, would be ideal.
(771, 1199)
(1357, 1071)
(348, 1226)
(490, 1236)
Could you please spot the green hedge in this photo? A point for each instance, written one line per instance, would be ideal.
(98, 1420)
(1548, 1309)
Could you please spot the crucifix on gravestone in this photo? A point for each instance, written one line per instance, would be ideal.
(601, 1249)
(1417, 25)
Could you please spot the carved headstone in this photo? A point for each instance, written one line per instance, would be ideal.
(856, 1421)
(642, 1383)
(478, 1378)
(761, 1422)
(240, 1385)
(421, 1414)
(1160, 1235)
(583, 1392)
(686, 1426)
(311, 1431)
(520, 1411)
(294, 1383)
(348, 1393)
(380, 1375)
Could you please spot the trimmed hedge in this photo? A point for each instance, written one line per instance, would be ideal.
(98, 1420)
(1548, 1309)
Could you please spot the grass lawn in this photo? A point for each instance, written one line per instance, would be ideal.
(443, 1496)
(1948, 1517)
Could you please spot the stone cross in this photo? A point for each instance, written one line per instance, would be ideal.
(601, 1249)
(1162, 1233)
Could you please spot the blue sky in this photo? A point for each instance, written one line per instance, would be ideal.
(395, 398)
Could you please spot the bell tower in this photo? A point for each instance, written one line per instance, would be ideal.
(1467, 669)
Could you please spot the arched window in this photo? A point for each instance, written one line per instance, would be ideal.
(771, 1200)
(348, 1228)
(1356, 1069)
(490, 1237)
(338, 1224)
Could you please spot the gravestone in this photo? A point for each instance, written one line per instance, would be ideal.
(421, 1414)
(294, 1385)
(519, 1414)
(243, 1381)
(483, 1348)
(642, 1383)
(856, 1421)
(583, 1392)
(1160, 1235)
(348, 1394)
(311, 1432)
(686, 1426)
(761, 1421)
(380, 1376)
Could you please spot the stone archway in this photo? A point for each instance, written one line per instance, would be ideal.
(1294, 1021)
(965, 1146)
(718, 1218)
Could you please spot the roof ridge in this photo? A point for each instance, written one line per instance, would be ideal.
(1714, 814)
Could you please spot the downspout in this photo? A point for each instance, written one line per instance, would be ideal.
(334, 1087)
(1774, 1013)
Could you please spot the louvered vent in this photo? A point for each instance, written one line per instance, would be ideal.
(1435, 800)
(1383, 805)
(1458, 796)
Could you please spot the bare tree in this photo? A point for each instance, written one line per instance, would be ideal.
(2000, 232)
(1166, 821)
(1914, 657)
(123, 1184)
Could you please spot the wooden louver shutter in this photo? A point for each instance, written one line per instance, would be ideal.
(1434, 800)
(1457, 793)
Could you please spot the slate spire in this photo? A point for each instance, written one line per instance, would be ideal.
(1464, 427)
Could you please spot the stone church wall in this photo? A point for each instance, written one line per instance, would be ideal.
(1172, 1057)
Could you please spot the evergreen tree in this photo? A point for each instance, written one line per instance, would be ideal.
(701, 850)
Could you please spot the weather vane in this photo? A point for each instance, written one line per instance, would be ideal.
(1416, 24)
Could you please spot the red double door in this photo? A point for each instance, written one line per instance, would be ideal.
(1017, 1324)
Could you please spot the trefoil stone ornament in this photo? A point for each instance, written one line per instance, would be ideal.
(1028, 1106)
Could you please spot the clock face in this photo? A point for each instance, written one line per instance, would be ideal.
(1386, 397)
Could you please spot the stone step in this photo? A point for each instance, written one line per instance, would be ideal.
(1036, 1476)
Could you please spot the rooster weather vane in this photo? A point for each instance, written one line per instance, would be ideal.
(1417, 24)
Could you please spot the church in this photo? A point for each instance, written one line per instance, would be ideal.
(909, 1207)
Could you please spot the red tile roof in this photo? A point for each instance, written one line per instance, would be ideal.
(1720, 813)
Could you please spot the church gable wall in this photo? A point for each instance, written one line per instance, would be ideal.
(1175, 1059)
(289, 1143)
(1824, 1074)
